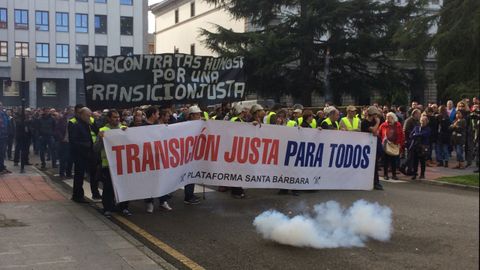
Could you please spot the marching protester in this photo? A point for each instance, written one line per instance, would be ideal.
(81, 143)
(194, 113)
(46, 129)
(419, 145)
(458, 128)
(108, 198)
(152, 117)
(371, 124)
(3, 139)
(392, 137)
(296, 114)
(331, 122)
(350, 122)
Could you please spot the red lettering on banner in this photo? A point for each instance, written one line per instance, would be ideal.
(273, 156)
(132, 157)
(174, 157)
(213, 143)
(147, 157)
(161, 153)
(230, 157)
(182, 151)
(189, 143)
(254, 145)
(118, 155)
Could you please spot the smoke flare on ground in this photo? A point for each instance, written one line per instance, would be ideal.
(329, 226)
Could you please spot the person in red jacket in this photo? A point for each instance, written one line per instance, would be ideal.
(391, 131)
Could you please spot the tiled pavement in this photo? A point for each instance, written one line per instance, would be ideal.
(26, 188)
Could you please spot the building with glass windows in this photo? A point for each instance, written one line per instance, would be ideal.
(57, 34)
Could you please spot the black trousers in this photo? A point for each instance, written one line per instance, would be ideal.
(81, 167)
(9, 146)
(392, 161)
(376, 179)
(188, 191)
(22, 147)
(108, 196)
(93, 176)
(418, 159)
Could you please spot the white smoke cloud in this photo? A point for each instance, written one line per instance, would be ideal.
(329, 226)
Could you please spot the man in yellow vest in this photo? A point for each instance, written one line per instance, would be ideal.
(240, 113)
(350, 122)
(331, 122)
(108, 197)
(92, 162)
(293, 122)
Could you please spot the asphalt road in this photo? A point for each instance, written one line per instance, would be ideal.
(434, 228)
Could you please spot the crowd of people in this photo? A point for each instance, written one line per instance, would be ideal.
(409, 139)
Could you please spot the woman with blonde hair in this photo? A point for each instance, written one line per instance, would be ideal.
(393, 140)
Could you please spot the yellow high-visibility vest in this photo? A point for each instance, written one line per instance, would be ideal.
(291, 123)
(269, 116)
(329, 122)
(349, 125)
(313, 124)
(103, 155)
(205, 115)
(235, 118)
(74, 120)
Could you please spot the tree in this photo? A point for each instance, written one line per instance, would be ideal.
(458, 49)
(331, 46)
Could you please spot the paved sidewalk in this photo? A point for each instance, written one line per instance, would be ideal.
(41, 229)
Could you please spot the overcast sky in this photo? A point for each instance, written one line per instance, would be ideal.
(151, 19)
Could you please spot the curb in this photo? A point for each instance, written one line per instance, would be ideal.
(446, 184)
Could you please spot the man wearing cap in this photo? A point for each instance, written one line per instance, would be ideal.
(370, 125)
(295, 116)
(331, 122)
(194, 113)
(350, 122)
(240, 113)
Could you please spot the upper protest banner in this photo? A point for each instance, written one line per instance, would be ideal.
(151, 161)
(161, 79)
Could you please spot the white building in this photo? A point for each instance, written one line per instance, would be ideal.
(178, 24)
(57, 34)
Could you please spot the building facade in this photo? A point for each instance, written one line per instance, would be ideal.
(178, 24)
(57, 34)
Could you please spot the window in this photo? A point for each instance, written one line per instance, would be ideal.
(126, 25)
(62, 53)
(175, 49)
(101, 1)
(62, 21)
(41, 20)
(21, 49)
(101, 51)
(100, 24)
(192, 49)
(49, 89)
(42, 53)
(82, 51)
(3, 51)
(177, 16)
(3, 18)
(126, 50)
(21, 19)
(192, 9)
(81, 23)
(126, 2)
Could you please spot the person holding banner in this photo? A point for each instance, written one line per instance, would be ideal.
(296, 115)
(350, 122)
(108, 197)
(194, 113)
(152, 115)
(331, 122)
(371, 124)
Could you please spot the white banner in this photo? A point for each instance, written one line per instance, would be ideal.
(152, 161)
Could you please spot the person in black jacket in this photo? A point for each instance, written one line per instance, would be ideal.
(81, 144)
(433, 125)
(443, 138)
(11, 133)
(46, 129)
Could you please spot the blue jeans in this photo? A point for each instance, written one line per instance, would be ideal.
(441, 152)
(3, 145)
(459, 152)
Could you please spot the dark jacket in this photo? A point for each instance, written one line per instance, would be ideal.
(419, 136)
(444, 132)
(46, 125)
(3, 125)
(81, 140)
(458, 132)
(61, 129)
(433, 125)
(409, 125)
